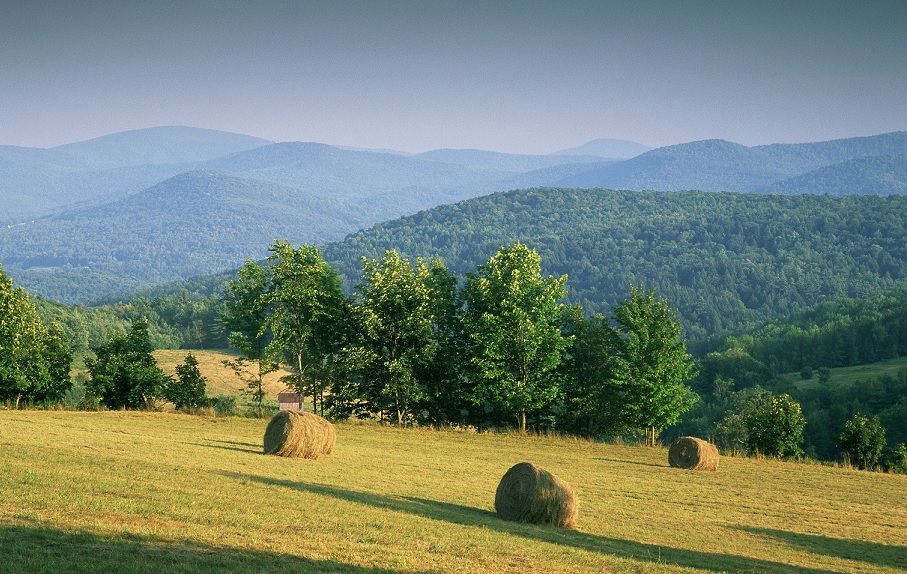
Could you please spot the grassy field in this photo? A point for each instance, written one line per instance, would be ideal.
(221, 380)
(850, 375)
(164, 492)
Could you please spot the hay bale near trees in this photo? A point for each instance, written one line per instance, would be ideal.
(528, 493)
(693, 453)
(299, 435)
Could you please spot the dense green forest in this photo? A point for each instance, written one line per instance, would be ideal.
(723, 261)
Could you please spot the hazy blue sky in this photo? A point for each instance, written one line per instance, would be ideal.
(530, 77)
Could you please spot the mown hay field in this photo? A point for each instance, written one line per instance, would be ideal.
(165, 492)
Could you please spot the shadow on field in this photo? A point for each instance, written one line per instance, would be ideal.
(230, 445)
(469, 516)
(41, 548)
(859, 550)
(622, 461)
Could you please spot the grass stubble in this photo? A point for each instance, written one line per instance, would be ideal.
(143, 492)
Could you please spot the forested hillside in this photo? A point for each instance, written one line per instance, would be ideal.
(136, 209)
(722, 260)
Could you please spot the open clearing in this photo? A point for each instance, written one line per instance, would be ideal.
(164, 492)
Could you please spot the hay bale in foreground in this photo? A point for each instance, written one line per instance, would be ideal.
(299, 435)
(531, 494)
(693, 453)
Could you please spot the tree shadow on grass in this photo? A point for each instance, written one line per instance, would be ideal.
(857, 550)
(41, 548)
(469, 516)
(225, 446)
(622, 461)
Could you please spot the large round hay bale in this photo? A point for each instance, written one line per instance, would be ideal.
(531, 494)
(300, 435)
(693, 453)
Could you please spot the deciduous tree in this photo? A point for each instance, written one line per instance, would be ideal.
(863, 439)
(307, 308)
(395, 314)
(511, 320)
(657, 363)
(34, 359)
(774, 425)
(124, 373)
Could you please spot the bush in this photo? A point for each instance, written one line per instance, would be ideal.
(863, 439)
(223, 405)
(897, 459)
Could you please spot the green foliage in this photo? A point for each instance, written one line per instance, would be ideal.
(595, 373)
(863, 439)
(395, 342)
(511, 320)
(774, 426)
(306, 311)
(124, 374)
(657, 363)
(187, 390)
(839, 333)
(34, 358)
(897, 459)
(723, 261)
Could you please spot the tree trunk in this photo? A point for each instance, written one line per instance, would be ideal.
(299, 374)
(522, 421)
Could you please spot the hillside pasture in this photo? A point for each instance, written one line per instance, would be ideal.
(149, 492)
(220, 379)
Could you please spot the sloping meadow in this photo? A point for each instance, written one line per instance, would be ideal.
(143, 492)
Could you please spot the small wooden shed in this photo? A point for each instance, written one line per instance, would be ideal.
(288, 401)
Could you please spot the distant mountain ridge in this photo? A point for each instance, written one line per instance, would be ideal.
(115, 210)
(719, 165)
(607, 148)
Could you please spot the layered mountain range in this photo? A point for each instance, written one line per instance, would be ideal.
(149, 206)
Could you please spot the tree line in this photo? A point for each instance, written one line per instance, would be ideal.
(412, 346)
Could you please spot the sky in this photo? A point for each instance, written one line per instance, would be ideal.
(519, 77)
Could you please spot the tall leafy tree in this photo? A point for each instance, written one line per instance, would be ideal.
(124, 373)
(657, 363)
(595, 375)
(511, 320)
(395, 315)
(34, 359)
(444, 377)
(245, 316)
(307, 309)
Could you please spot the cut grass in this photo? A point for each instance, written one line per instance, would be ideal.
(147, 492)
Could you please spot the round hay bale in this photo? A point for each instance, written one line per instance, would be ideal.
(299, 435)
(531, 494)
(693, 453)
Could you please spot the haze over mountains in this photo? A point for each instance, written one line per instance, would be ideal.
(154, 205)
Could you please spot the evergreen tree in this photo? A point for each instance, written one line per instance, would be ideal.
(187, 390)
